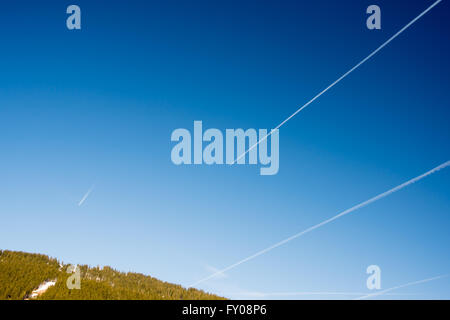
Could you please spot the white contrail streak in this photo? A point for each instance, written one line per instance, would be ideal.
(211, 269)
(343, 213)
(339, 79)
(305, 293)
(85, 196)
(379, 293)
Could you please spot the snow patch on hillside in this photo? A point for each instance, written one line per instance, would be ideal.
(42, 288)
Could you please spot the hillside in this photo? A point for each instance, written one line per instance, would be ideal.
(22, 274)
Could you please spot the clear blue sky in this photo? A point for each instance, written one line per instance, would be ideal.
(97, 107)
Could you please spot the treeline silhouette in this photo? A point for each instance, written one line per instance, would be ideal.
(21, 273)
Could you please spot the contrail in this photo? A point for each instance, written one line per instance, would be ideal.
(339, 79)
(379, 293)
(85, 196)
(211, 269)
(343, 213)
(306, 293)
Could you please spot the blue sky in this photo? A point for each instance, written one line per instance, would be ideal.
(97, 107)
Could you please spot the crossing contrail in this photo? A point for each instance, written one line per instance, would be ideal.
(379, 293)
(321, 224)
(85, 196)
(339, 79)
(305, 293)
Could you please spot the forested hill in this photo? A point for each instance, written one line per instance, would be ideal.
(22, 273)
